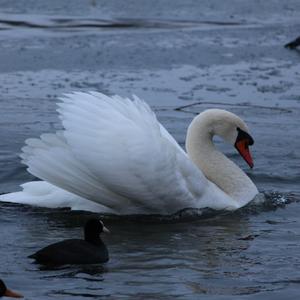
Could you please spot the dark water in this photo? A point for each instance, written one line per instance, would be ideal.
(181, 57)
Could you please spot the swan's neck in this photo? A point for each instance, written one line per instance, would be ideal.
(215, 165)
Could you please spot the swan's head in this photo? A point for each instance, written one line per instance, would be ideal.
(229, 127)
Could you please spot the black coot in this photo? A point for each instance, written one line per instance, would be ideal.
(91, 250)
(4, 291)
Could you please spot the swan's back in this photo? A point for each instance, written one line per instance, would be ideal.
(113, 151)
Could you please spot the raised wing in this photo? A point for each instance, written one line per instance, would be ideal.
(114, 151)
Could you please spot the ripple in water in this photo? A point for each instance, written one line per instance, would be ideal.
(261, 203)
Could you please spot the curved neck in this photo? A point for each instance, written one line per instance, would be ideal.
(214, 164)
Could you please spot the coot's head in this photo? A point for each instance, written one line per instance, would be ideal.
(93, 228)
(4, 291)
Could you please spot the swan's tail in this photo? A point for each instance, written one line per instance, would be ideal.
(44, 194)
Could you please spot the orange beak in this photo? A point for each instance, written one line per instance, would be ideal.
(243, 149)
(12, 294)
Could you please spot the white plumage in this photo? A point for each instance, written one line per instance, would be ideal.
(115, 153)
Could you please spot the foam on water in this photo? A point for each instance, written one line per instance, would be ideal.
(261, 203)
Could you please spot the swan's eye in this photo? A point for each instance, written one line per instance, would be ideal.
(242, 135)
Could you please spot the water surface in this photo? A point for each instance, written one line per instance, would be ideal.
(181, 58)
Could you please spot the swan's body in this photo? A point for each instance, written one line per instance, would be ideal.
(115, 153)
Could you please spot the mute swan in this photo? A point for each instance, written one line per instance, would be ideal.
(114, 156)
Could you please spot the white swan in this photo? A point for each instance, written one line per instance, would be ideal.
(115, 153)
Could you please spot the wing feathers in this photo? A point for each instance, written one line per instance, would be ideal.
(114, 151)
